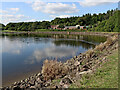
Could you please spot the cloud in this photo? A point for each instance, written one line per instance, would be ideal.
(28, 2)
(54, 8)
(12, 18)
(96, 2)
(3, 11)
(6, 18)
(9, 11)
(9, 47)
(11, 15)
(30, 20)
(52, 51)
(60, 16)
(14, 9)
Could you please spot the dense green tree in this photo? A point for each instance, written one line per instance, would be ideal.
(109, 25)
(61, 26)
(2, 26)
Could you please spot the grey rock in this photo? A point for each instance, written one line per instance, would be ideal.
(22, 86)
(39, 74)
(16, 88)
(65, 81)
(26, 80)
(65, 86)
(38, 85)
(47, 84)
(15, 83)
(32, 87)
(78, 69)
(38, 80)
(85, 72)
(77, 63)
(32, 82)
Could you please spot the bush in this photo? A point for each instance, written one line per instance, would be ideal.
(89, 53)
(100, 47)
(53, 69)
(109, 41)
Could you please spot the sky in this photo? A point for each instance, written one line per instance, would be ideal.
(38, 10)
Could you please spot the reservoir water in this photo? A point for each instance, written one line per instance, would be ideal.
(23, 55)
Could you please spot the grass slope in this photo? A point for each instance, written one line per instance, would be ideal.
(105, 76)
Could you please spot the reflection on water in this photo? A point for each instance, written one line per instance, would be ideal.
(24, 55)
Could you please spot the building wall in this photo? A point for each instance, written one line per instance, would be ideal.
(81, 27)
(68, 27)
(54, 26)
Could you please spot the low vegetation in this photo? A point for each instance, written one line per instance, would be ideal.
(52, 69)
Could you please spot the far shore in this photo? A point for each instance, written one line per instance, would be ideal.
(60, 32)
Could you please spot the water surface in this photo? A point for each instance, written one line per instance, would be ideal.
(23, 56)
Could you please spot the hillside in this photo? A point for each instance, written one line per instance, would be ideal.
(110, 25)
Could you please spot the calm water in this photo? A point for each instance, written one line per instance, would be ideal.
(23, 56)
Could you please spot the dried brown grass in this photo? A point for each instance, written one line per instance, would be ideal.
(89, 53)
(109, 41)
(100, 47)
(53, 69)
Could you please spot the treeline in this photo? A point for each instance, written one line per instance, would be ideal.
(110, 25)
(96, 22)
(2, 26)
(85, 20)
(27, 26)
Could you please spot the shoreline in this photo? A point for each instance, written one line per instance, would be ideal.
(64, 32)
(40, 78)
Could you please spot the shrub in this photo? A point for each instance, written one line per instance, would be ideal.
(109, 41)
(100, 47)
(53, 69)
(89, 53)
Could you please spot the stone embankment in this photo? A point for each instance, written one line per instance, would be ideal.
(71, 70)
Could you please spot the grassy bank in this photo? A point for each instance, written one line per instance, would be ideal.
(32, 33)
(48, 30)
(106, 76)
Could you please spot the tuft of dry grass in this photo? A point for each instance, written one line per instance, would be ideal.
(53, 69)
(109, 41)
(89, 53)
(100, 47)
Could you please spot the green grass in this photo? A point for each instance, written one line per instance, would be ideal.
(56, 80)
(105, 76)
(11, 31)
(48, 30)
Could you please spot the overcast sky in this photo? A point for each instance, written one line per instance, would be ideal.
(39, 10)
